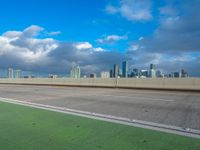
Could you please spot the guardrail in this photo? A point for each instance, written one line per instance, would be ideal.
(147, 83)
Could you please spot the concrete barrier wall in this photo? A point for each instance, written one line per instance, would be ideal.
(147, 83)
(63, 81)
(161, 83)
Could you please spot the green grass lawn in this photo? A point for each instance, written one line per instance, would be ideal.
(26, 128)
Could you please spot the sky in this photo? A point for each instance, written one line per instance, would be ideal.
(52, 36)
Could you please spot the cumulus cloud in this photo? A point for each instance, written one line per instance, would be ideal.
(111, 39)
(175, 33)
(52, 56)
(83, 45)
(175, 42)
(53, 33)
(89, 58)
(99, 49)
(111, 9)
(24, 50)
(32, 31)
(133, 10)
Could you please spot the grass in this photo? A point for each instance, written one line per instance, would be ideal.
(26, 128)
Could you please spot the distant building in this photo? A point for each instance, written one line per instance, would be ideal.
(93, 75)
(125, 69)
(52, 76)
(111, 73)
(10, 73)
(116, 71)
(159, 74)
(105, 74)
(144, 73)
(152, 66)
(176, 74)
(29, 76)
(135, 73)
(170, 75)
(152, 71)
(75, 72)
(17, 73)
(184, 74)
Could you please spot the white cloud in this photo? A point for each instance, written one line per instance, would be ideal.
(32, 31)
(133, 10)
(111, 9)
(133, 47)
(183, 58)
(87, 46)
(53, 33)
(47, 54)
(12, 34)
(111, 39)
(83, 45)
(141, 38)
(99, 49)
(25, 48)
(22, 49)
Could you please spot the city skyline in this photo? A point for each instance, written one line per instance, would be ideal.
(96, 35)
(116, 72)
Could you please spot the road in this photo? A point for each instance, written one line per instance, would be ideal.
(176, 108)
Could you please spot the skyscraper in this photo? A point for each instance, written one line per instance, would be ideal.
(10, 73)
(176, 74)
(93, 75)
(125, 69)
(116, 71)
(75, 72)
(17, 73)
(136, 73)
(144, 73)
(159, 74)
(152, 71)
(152, 66)
(184, 73)
(105, 74)
(111, 73)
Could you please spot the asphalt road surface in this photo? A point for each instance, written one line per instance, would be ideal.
(175, 108)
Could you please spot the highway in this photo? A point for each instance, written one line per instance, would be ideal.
(175, 108)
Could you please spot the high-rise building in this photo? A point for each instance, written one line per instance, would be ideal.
(75, 72)
(125, 69)
(184, 74)
(93, 75)
(111, 73)
(152, 71)
(116, 71)
(152, 66)
(10, 73)
(135, 73)
(105, 74)
(176, 74)
(159, 74)
(17, 73)
(144, 73)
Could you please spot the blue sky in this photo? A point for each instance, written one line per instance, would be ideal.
(77, 20)
(51, 36)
